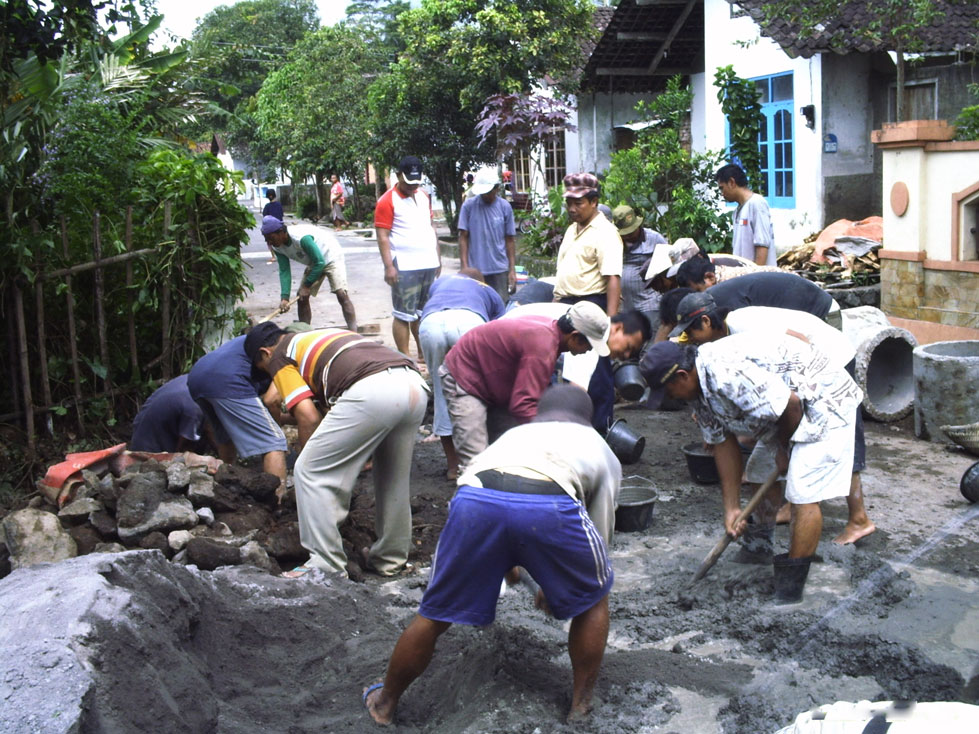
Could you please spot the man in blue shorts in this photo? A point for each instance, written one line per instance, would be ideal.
(521, 503)
(229, 390)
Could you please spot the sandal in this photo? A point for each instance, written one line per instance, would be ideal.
(298, 572)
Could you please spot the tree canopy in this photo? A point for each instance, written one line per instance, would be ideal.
(313, 110)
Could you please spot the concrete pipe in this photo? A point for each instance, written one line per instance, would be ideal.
(946, 386)
(884, 362)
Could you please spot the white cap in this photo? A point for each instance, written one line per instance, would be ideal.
(589, 320)
(485, 182)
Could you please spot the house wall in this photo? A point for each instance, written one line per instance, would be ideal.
(598, 115)
(738, 42)
(851, 104)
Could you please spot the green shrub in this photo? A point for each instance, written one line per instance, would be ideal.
(967, 123)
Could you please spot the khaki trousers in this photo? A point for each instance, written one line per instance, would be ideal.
(379, 415)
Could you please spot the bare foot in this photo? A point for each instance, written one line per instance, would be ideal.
(852, 533)
(784, 516)
(578, 713)
(452, 474)
(374, 701)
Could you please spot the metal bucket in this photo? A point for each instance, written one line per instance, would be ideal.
(629, 381)
(635, 511)
(626, 443)
(702, 468)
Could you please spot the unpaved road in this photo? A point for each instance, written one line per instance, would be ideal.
(894, 617)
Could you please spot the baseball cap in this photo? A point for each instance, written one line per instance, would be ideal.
(692, 307)
(681, 250)
(577, 185)
(271, 224)
(485, 182)
(567, 402)
(410, 169)
(592, 323)
(658, 365)
(260, 335)
(625, 219)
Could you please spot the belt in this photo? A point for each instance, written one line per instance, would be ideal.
(502, 482)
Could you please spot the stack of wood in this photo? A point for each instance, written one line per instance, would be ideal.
(842, 269)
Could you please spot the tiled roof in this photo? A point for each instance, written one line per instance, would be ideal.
(844, 32)
(641, 46)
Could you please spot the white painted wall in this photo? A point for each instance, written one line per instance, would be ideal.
(932, 178)
(738, 42)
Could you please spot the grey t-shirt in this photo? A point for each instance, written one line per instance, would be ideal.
(753, 226)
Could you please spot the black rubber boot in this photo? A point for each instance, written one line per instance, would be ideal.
(756, 545)
(790, 577)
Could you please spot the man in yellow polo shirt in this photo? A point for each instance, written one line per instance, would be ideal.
(589, 268)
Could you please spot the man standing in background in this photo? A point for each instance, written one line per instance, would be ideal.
(486, 235)
(753, 237)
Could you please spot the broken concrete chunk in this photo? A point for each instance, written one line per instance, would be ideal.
(200, 489)
(156, 541)
(139, 501)
(34, 536)
(254, 555)
(80, 509)
(110, 548)
(208, 553)
(103, 522)
(284, 542)
(205, 515)
(178, 476)
(86, 539)
(178, 539)
(172, 514)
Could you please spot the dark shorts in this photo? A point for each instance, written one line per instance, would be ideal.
(489, 532)
(859, 443)
(410, 294)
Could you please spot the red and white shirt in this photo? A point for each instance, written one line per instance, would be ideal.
(413, 243)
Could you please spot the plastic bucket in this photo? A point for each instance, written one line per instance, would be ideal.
(625, 443)
(701, 465)
(969, 485)
(629, 381)
(635, 511)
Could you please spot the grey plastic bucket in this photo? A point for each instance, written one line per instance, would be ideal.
(626, 443)
(635, 510)
(629, 381)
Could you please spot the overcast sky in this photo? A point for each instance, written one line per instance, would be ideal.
(180, 16)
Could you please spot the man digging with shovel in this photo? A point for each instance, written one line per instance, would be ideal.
(789, 396)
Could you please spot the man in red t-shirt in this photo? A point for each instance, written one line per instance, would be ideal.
(409, 250)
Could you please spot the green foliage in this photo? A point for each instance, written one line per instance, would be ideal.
(543, 228)
(457, 54)
(967, 123)
(313, 111)
(739, 102)
(667, 184)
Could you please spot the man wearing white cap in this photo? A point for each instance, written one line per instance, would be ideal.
(505, 365)
(486, 235)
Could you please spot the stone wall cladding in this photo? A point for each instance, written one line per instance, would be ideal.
(948, 297)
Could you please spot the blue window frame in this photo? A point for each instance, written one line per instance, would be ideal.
(777, 139)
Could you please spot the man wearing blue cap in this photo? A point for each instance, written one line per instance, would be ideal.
(323, 258)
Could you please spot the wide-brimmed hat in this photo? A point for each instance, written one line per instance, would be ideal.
(660, 262)
(577, 185)
(625, 219)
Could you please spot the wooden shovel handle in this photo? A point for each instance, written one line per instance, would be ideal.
(724, 542)
(278, 311)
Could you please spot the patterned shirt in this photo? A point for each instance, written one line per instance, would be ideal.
(746, 381)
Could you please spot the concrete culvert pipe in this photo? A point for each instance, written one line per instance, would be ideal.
(946, 387)
(884, 363)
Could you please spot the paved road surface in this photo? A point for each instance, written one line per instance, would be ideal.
(365, 277)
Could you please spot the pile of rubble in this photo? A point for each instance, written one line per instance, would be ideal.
(209, 516)
(843, 255)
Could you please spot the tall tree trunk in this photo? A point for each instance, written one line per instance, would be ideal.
(320, 208)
